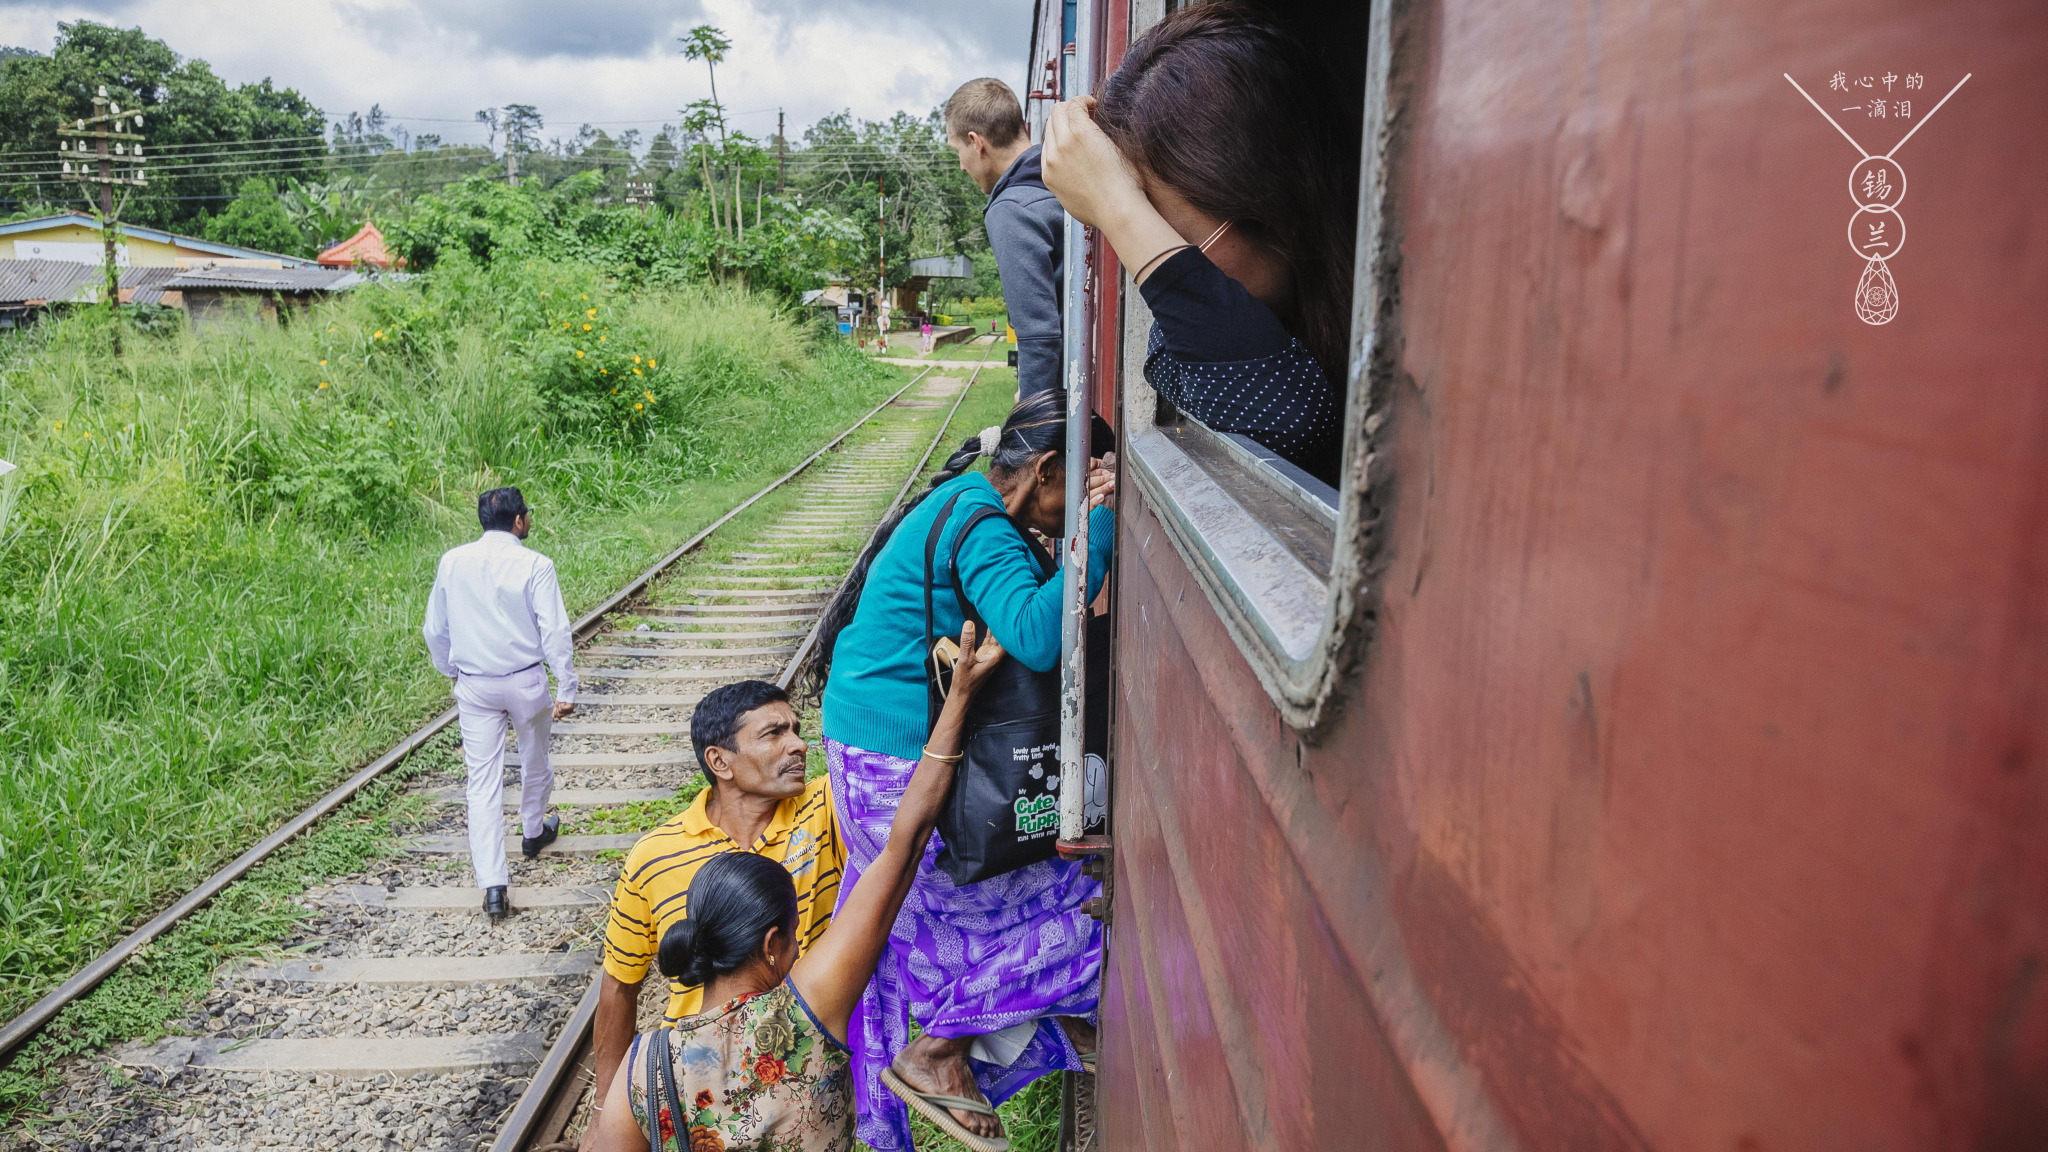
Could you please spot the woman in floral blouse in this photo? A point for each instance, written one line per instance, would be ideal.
(767, 1069)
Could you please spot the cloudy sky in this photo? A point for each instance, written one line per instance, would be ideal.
(613, 63)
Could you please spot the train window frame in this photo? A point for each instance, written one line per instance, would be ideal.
(1236, 513)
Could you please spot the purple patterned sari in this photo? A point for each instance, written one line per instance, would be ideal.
(963, 961)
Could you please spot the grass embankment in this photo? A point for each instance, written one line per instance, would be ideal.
(215, 555)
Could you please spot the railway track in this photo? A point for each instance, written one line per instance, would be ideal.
(401, 1018)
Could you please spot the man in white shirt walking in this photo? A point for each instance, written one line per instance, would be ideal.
(494, 615)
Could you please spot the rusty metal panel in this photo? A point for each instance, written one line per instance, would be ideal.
(1691, 792)
(1259, 1019)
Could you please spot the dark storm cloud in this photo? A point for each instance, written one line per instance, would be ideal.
(994, 29)
(999, 29)
(533, 28)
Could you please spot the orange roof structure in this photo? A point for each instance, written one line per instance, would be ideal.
(365, 247)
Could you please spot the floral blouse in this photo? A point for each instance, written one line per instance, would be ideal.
(759, 1073)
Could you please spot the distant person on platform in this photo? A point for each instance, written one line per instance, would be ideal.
(1025, 223)
(494, 616)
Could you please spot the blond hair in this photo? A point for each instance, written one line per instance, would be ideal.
(988, 108)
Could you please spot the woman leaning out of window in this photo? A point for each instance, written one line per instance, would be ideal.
(1221, 165)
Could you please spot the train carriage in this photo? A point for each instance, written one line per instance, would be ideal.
(1643, 745)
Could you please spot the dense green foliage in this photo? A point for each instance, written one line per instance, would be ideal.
(788, 249)
(256, 219)
(700, 201)
(187, 109)
(213, 558)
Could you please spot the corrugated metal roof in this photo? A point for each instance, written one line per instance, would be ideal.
(146, 285)
(25, 280)
(264, 279)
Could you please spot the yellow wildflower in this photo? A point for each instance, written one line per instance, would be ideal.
(586, 327)
(57, 427)
(589, 311)
(638, 406)
(636, 359)
(604, 372)
(323, 384)
(579, 353)
(565, 323)
(586, 295)
(323, 363)
(636, 372)
(600, 338)
(650, 363)
(379, 335)
(649, 395)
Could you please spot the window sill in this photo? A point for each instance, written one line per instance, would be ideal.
(1253, 546)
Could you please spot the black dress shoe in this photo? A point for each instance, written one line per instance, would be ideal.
(495, 904)
(549, 830)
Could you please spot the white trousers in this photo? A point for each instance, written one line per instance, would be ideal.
(485, 705)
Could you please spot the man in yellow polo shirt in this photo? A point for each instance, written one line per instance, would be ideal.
(753, 755)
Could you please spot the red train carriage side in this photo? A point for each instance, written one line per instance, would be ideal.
(1645, 748)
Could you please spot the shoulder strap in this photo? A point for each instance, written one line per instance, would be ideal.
(960, 537)
(931, 548)
(679, 1121)
(654, 1104)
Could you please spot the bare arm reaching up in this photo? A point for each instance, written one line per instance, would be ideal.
(832, 975)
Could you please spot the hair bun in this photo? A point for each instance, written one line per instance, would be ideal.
(679, 958)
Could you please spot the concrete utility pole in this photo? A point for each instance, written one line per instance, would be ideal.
(778, 154)
(881, 256)
(104, 129)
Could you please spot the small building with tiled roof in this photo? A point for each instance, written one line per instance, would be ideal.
(364, 249)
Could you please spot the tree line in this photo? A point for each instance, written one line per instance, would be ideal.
(259, 165)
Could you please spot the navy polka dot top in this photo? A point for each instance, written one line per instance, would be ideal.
(1223, 358)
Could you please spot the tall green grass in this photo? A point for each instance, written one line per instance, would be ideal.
(212, 568)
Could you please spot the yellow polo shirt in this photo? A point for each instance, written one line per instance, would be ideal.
(654, 884)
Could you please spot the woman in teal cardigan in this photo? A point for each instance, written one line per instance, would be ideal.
(1001, 975)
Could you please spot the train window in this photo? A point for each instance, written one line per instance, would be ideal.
(1280, 553)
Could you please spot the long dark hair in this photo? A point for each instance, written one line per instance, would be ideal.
(734, 899)
(1037, 424)
(1225, 107)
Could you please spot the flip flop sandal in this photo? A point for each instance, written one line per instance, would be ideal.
(932, 1106)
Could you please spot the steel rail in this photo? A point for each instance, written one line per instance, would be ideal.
(803, 650)
(40, 1013)
(562, 1067)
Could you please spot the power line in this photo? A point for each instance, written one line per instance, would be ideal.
(45, 158)
(397, 118)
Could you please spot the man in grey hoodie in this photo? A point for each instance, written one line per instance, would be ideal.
(1025, 223)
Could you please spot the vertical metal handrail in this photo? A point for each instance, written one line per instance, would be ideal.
(1074, 345)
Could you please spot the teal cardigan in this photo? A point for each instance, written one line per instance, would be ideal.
(875, 698)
